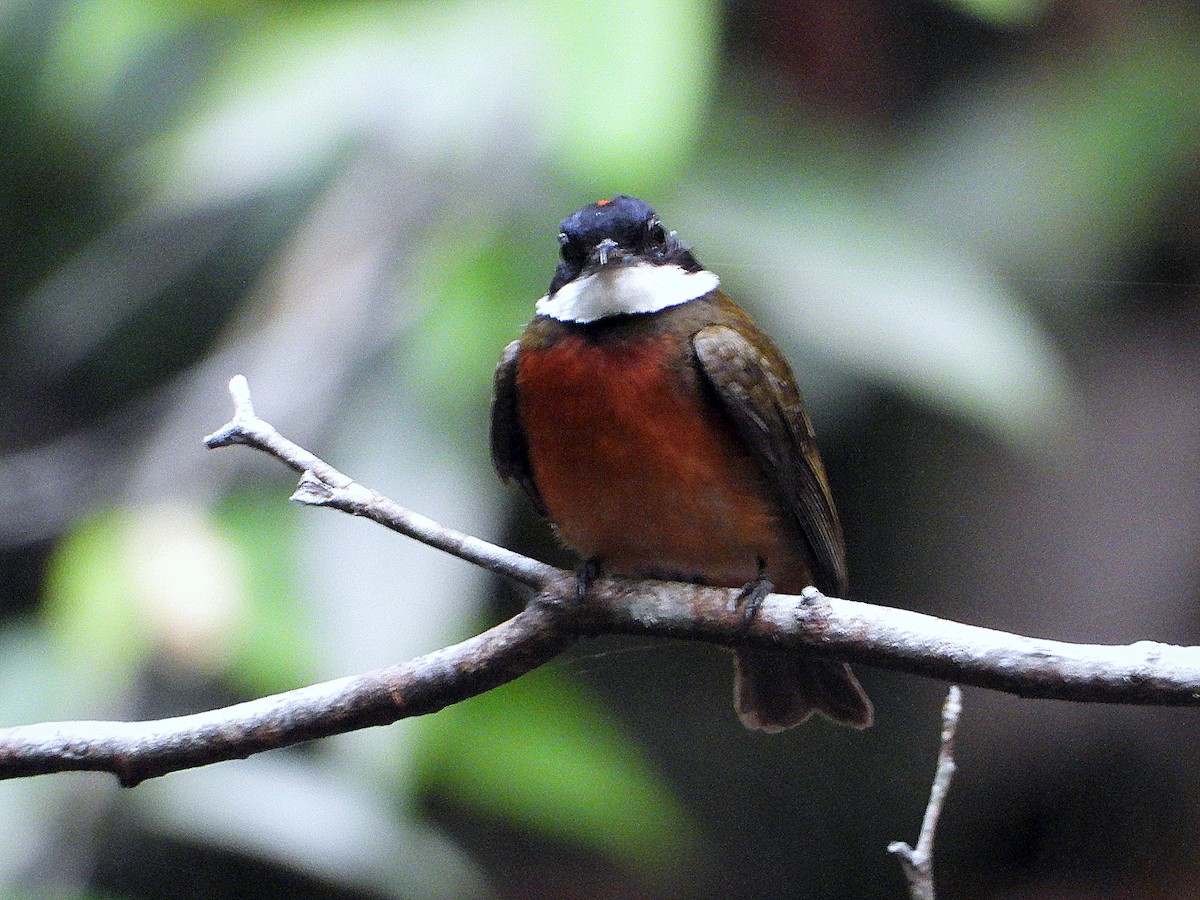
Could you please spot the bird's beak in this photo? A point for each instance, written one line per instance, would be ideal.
(606, 250)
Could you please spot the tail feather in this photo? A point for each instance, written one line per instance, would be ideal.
(778, 689)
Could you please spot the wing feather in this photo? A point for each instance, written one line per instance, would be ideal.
(510, 453)
(756, 390)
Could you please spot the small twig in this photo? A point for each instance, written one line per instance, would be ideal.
(323, 485)
(918, 863)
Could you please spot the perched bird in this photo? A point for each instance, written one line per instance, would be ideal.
(663, 435)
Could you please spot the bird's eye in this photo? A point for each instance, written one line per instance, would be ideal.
(657, 236)
(571, 251)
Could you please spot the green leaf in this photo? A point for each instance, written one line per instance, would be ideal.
(479, 296)
(541, 754)
(1002, 13)
(275, 648)
(212, 594)
(458, 84)
(96, 43)
(1060, 173)
(90, 613)
(633, 83)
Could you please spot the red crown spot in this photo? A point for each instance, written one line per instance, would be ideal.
(603, 202)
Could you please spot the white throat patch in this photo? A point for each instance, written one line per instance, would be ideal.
(640, 288)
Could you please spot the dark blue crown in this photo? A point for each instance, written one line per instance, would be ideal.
(622, 218)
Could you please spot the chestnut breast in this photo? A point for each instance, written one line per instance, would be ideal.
(637, 466)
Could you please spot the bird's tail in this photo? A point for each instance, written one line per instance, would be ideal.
(777, 689)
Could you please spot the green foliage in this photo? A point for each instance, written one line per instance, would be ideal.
(541, 754)
(1088, 161)
(1002, 13)
(480, 296)
(169, 168)
(90, 613)
(628, 103)
(220, 598)
(275, 644)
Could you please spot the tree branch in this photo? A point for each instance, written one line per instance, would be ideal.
(1144, 673)
(135, 751)
(918, 863)
(323, 485)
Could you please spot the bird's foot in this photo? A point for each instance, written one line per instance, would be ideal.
(752, 594)
(586, 573)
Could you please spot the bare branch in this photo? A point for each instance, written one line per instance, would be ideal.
(1144, 673)
(918, 863)
(135, 751)
(323, 485)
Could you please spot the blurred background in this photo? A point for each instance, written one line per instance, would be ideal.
(974, 227)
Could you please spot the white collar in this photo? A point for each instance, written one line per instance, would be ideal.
(640, 288)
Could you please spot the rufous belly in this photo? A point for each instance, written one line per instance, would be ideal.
(638, 468)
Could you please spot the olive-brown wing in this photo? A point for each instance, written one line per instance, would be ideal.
(756, 390)
(510, 453)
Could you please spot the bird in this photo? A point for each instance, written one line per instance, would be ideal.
(662, 434)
